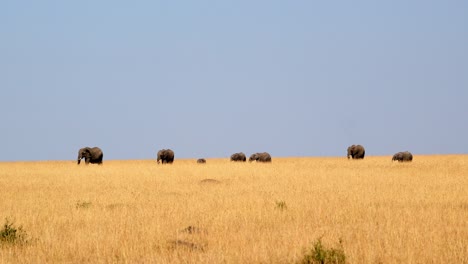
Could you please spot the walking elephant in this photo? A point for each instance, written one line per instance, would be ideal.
(165, 156)
(238, 157)
(91, 155)
(260, 157)
(356, 152)
(405, 156)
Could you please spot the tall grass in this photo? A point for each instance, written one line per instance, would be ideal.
(141, 212)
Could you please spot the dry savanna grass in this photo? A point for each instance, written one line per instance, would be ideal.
(223, 212)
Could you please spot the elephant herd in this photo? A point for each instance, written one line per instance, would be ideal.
(358, 152)
(258, 157)
(166, 156)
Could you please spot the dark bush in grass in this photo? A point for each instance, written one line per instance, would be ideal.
(281, 205)
(319, 254)
(10, 234)
(83, 204)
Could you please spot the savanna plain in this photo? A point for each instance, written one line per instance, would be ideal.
(135, 211)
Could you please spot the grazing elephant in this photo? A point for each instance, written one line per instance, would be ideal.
(201, 160)
(91, 155)
(260, 157)
(356, 152)
(238, 157)
(405, 156)
(165, 156)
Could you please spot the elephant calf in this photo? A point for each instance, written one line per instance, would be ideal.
(356, 152)
(238, 157)
(405, 156)
(91, 155)
(165, 156)
(260, 157)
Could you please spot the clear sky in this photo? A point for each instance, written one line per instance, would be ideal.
(211, 78)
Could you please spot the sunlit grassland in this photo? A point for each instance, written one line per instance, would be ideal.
(136, 211)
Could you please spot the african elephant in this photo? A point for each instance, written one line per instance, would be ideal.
(356, 152)
(165, 156)
(260, 157)
(201, 160)
(91, 155)
(405, 156)
(238, 157)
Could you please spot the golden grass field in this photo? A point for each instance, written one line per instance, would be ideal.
(136, 211)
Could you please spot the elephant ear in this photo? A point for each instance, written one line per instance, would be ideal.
(87, 151)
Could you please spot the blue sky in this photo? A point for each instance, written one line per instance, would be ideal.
(210, 78)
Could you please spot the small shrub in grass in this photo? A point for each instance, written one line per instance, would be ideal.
(10, 234)
(83, 204)
(281, 205)
(322, 255)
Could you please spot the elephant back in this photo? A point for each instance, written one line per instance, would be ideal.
(404, 156)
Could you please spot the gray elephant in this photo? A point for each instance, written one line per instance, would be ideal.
(260, 157)
(165, 156)
(356, 152)
(404, 156)
(91, 155)
(202, 161)
(238, 157)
